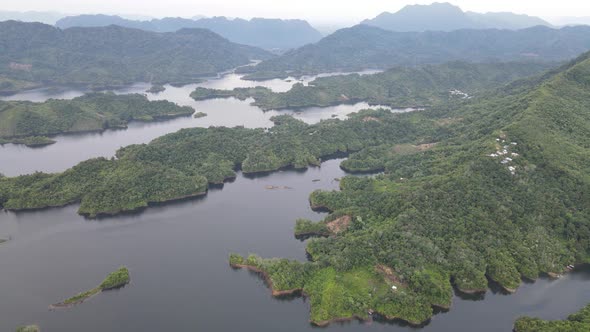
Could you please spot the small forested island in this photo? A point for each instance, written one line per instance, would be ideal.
(399, 87)
(200, 115)
(28, 328)
(29, 123)
(493, 188)
(116, 279)
(578, 322)
(9, 86)
(156, 88)
(31, 141)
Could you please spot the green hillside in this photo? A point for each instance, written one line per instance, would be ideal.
(92, 112)
(577, 322)
(396, 87)
(112, 56)
(365, 47)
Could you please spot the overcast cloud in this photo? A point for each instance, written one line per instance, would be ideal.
(320, 11)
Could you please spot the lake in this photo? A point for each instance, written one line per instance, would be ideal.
(177, 253)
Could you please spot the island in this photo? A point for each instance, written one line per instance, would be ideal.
(28, 328)
(31, 141)
(114, 280)
(399, 87)
(156, 88)
(577, 322)
(490, 189)
(200, 115)
(30, 123)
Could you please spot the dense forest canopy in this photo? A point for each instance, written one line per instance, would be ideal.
(91, 112)
(577, 322)
(397, 87)
(365, 47)
(35, 53)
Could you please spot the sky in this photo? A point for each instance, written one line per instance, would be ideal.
(317, 11)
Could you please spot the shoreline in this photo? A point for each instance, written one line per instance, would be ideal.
(156, 118)
(266, 278)
(106, 285)
(276, 293)
(264, 108)
(139, 209)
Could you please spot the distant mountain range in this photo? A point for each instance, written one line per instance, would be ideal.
(31, 16)
(366, 47)
(447, 17)
(113, 55)
(270, 34)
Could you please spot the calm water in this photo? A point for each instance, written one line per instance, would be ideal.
(72, 149)
(177, 253)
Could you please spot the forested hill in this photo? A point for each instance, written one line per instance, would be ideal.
(578, 322)
(39, 53)
(503, 194)
(399, 87)
(27, 122)
(272, 34)
(362, 47)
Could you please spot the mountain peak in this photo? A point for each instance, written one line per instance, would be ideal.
(444, 16)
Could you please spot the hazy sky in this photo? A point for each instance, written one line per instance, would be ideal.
(337, 11)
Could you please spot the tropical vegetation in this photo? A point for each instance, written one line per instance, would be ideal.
(116, 279)
(577, 322)
(27, 122)
(110, 56)
(366, 47)
(396, 87)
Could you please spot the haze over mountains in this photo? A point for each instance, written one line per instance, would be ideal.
(447, 17)
(31, 16)
(260, 32)
(366, 47)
